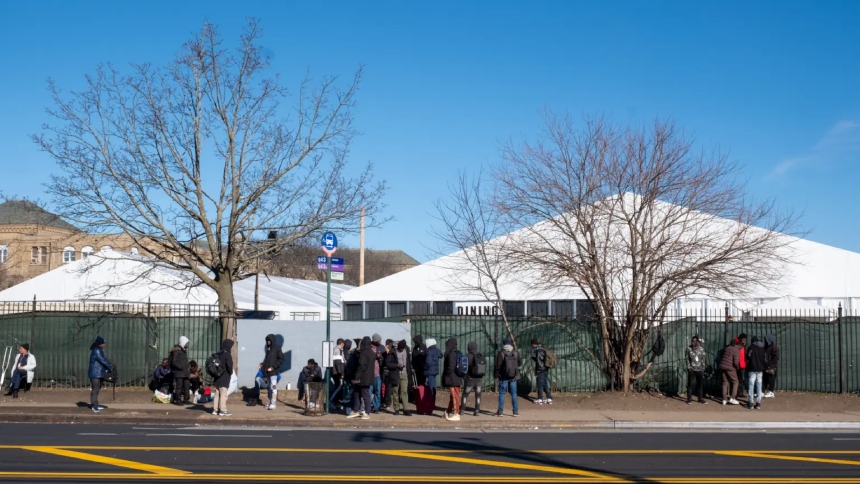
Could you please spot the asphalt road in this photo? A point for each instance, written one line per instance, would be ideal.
(120, 453)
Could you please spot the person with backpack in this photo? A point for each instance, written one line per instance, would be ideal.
(474, 378)
(542, 367)
(419, 356)
(431, 364)
(99, 365)
(363, 380)
(178, 360)
(772, 355)
(456, 367)
(507, 371)
(220, 368)
(271, 367)
(756, 364)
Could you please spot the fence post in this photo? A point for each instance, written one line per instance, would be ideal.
(841, 358)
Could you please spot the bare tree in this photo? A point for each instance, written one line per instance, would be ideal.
(634, 218)
(198, 160)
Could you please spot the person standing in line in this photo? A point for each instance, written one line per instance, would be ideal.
(742, 362)
(271, 368)
(431, 364)
(475, 377)
(541, 373)
(452, 379)
(756, 364)
(507, 371)
(363, 381)
(729, 366)
(338, 367)
(22, 370)
(221, 383)
(772, 355)
(379, 353)
(99, 364)
(178, 360)
(403, 365)
(349, 374)
(419, 357)
(695, 357)
(389, 380)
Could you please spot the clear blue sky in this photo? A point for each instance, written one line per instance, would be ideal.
(775, 83)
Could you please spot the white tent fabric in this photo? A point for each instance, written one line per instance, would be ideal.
(109, 276)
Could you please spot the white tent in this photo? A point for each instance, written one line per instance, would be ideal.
(113, 277)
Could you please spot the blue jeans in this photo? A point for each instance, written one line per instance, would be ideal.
(377, 393)
(755, 379)
(348, 395)
(504, 387)
(19, 379)
(431, 382)
(543, 385)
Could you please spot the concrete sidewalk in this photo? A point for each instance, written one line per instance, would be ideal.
(590, 411)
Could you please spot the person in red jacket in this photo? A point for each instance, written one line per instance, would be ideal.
(742, 371)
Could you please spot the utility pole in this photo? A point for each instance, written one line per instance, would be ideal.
(361, 251)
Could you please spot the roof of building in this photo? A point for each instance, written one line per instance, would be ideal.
(25, 212)
(395, 257)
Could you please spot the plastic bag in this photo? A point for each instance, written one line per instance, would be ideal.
(159, 397)
(234, 384)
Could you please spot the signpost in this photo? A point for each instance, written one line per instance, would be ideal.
(337, 276)
(329, 246)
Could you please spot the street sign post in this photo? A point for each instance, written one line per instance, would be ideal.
(329, 246)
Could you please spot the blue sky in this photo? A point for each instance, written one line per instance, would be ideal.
(773, 83)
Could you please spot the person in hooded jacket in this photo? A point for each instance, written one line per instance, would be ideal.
(452, 379)
(178, 360)
(431, 364)
(729, 366)
(419, 356)
(399, 365)
(271, 368)
(350, 364)
(221, 384)
(312, 373)
(472, 383)
(363, 380)
(99, 364)
(772, 354)
(507, 372)
(756, 364)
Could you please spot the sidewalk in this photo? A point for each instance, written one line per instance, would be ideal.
(597, 411)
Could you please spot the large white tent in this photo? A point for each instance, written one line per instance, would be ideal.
(110, 277)
(820, 276)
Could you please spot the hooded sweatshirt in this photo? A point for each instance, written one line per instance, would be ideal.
(223, 381)
(452, 378)
(419, 356)
(772, 353)
(431, 362)
(366, 362)
(472, 348)
(274, 358)
(756, 357)
(178, 359)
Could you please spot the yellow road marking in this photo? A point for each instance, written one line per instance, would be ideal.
(791, 457)
(139, 466)
(493, 463)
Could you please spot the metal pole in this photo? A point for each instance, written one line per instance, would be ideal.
(841, 358)
(327, 326)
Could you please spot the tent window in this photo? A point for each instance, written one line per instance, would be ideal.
(396, 309)
(443, 307)
(4, 253)
(68, 255)
(375, 310)
(354, 312)
(515, 308)
(538, 308)
(562, 309)
(86, 252)
(585, 310)
(419, 307)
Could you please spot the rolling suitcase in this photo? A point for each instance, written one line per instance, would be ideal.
(425, 403)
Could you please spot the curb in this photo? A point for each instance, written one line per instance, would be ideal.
(508, 424)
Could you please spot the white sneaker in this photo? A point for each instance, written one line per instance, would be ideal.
(549, 401)
(734, 402)
(447, 417)
(538, 402)
(271, 406)
(354, 415)
(768, 395)
(455, 418)
(724, 402)
(365, 416)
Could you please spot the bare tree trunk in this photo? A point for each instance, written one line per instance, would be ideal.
(227, 314)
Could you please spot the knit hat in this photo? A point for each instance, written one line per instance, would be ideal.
(99, 341)
(25, 346)
(312, 362)
(506, 341)
(375, 338)
(535, 341)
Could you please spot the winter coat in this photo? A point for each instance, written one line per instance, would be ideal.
(223, 381)
(500, 362)
(178, 361)
(539, 357)
(772, 353)
(453, 377)
(731, 358)
(695, 358)
(29, 366)
(393, 373)
(471, 381)
(419, 356)
(338, 361)
(161, 372)
(351, 365)
(366, 362)
(308, 376)
(196, 374)
(98, 363)
(274, 358)
(431, 362)
(756, 357)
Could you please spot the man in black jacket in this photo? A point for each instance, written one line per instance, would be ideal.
(756, 364)
(271, 367)
(772, 352)
(178, 361)
(419, 355)
(221, 383)
(541, 373)
(363, 380)
(399, 365)
(452, 379)
(473, 379)
(310, 374)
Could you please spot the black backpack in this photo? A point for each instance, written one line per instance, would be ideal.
(111, 376)
(510, 365)
(215, 366)
(479, 369)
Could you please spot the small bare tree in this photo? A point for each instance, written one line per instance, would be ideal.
(197, 160)
(634, 218)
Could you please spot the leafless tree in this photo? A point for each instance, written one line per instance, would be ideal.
(198, 159)
(634, 218)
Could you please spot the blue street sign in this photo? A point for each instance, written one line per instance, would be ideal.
(329, 241)
(336, 264)
(337, 260)
(321, 259)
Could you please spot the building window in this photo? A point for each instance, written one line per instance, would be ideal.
(539, 308)
(39, 256)
(515, 308)
(419, 307)
(396, 309)
(585, 310)
(354, 312)
(562, 309)
(375, 310)
(86, 252)
(4, 253)
(68, 255)
(443, 307)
